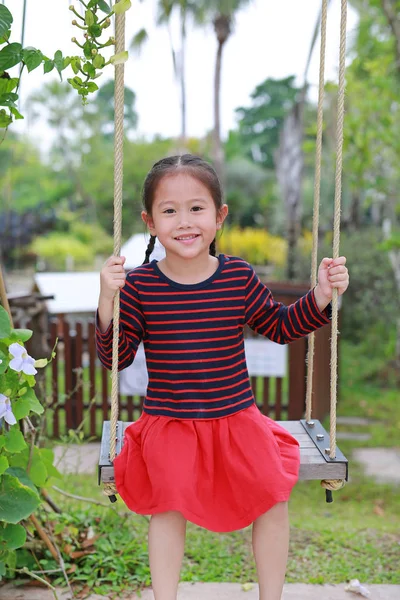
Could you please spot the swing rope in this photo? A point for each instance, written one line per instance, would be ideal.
(317, 195)
(335, 484)
(110, 488)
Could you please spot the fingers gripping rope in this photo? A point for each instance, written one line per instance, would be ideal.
(110, 489)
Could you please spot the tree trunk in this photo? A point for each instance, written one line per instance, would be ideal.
(218, 154)
(391, 13)
(183, 78)
(355, 217)
(394, 257)
(289, 162)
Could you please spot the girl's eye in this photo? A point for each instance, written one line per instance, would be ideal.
(168, 211)
(197, 208)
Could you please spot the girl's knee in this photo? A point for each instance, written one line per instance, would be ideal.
(278, 512)
(170, 515)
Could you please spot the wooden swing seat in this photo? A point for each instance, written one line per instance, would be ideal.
(315, 462)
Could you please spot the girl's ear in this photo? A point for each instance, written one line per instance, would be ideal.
(222, 214)
(147, 219)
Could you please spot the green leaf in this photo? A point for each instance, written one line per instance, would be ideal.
(48, 66)
(2, 441)
(21, 474)
(41, 363)
(12, 537)
(76, 83)
(8, 85)
(38, 471)
(5, 119)
(30, 379)
(47, 456)
(89, 69)
(3, 568)
(120, 58)
(9, 382)
(122, 6)
(34, 403)
(104, 6)
(59, 62)
(32, 58)
(17, 501)
(16, 113)
(4, 362)
(8, 99)
(95, 30)
(87, 49)
(4, 38)
(5, 325)
(22, 335)
(90, 18)
(15, 440)
(21, 408)
(3, 464)
(91, 87)
(6, 20)
(11, 560)
(99, 61)
(10, 56)
(76, 65)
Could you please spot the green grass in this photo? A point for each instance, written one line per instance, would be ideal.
(330, 543)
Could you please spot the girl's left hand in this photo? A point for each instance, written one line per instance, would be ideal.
(332, 274)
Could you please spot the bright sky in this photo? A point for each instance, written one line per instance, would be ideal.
(271, 39)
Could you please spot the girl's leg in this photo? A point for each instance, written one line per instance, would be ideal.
(166, 547)
(270, 547)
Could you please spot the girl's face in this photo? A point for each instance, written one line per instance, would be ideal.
(184, 216)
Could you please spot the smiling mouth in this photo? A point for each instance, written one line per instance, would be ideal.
(187, 237)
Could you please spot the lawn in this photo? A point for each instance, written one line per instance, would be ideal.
(357, 536)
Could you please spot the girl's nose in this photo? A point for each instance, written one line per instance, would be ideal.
(184, 219)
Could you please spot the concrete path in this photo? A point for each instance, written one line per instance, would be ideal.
(221, 591)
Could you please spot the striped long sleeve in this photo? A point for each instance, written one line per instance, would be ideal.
(193, 336)
(281, 324)
(131, 329)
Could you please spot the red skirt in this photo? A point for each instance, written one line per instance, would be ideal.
(220, 474)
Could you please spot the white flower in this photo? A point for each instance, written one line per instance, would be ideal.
(6, 412)
(21, 361)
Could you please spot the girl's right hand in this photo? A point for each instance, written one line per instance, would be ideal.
(112, 277)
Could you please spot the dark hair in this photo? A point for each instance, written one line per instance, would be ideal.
(186, 163)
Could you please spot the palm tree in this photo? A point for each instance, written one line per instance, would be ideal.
(222, 13)
(165, 10)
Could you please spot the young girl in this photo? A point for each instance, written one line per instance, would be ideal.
(201, 450)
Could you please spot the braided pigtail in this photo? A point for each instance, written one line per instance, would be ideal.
(213, 249)
(150, 248)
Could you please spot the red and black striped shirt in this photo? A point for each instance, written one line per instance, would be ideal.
(193, 336)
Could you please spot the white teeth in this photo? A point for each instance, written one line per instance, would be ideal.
(186, 237)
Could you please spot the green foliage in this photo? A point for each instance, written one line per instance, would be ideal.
(23, 468)
(260, 124)
(82, 243)
(371, 303)
(92, 61)
(11, 55)
(372, 120)
(248, 192)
